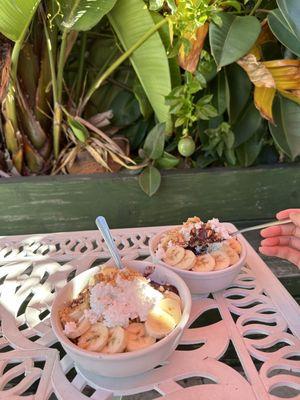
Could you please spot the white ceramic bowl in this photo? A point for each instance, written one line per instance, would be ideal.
(123, 364)
(202, 282)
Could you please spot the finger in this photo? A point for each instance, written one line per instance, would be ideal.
(284, 252)
(281, 230)
(282, 241)
(284, 214)
(295, 217)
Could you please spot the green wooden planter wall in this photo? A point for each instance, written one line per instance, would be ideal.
(70, 203)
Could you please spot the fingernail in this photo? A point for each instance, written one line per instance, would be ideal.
(295, 217)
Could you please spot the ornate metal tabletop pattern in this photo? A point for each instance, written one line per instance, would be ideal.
(255, 319)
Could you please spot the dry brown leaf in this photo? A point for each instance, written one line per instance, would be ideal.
(293, 95)
(5, 63)
(269, 76)
(95, 154)
(263, 100)
(190, 61)
(257, 72)
(282, 63)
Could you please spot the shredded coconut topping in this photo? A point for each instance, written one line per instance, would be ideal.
(186, 231)
(126, 299)
(218, 228)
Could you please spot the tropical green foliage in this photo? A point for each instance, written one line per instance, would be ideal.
(16, 16)
(148, 85)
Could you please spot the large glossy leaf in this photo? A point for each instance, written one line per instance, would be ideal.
(247, 125)
(286, 131)
(150, 180)
(165, 37)
(15, 16)
(154, 143)
(283, 31)
(291, 12)
(218, 89)
(238, 91)
(83, 15)
(131, 20)
(248, 152)
(234, 38)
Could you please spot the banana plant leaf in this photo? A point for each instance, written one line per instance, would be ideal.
(15, 16)
(83, 15)
(131, 20)
(165, 37)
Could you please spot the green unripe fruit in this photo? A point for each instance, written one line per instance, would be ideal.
(186, 146)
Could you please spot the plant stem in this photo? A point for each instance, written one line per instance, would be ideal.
(258, 3)
(52, 63)
(101, 78)
(57, 104)
(81, 65)
(11, 101)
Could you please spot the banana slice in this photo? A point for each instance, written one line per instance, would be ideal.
(117, 340)
(77, 312)
(136, 329)
(234, 244)
(135, 342)
(188, 260)
(174, 255)
(81, 327)
(159, 323)
(137, 338)
(105, 350)
(222, 260)
(204, 263)
(232, 254)
(95, 338)
(172, 307)
(171, 295)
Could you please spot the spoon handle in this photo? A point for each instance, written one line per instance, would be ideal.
(104, 229)
(261, 226)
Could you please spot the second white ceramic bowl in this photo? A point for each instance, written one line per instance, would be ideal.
(202, 282)
(123, 364)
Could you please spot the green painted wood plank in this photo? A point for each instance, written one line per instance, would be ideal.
(69, 203)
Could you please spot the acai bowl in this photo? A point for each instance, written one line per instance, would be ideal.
(120, 323)
(203, 254)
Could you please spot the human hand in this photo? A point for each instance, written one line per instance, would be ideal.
(283, 240)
